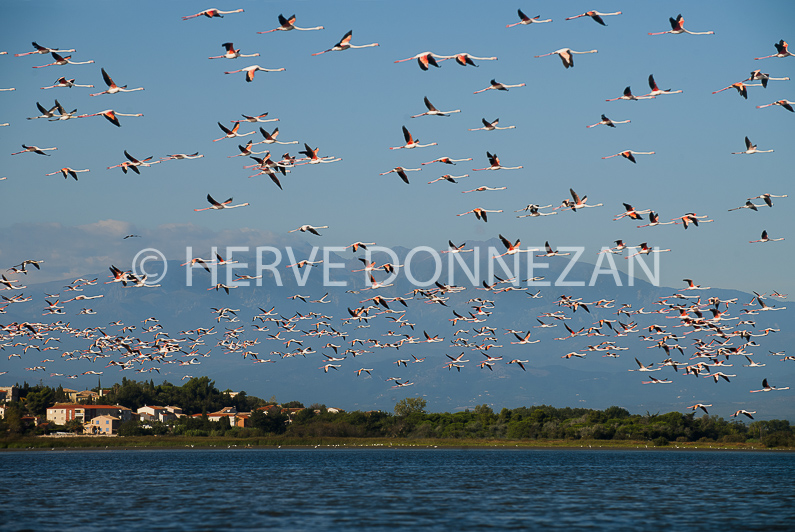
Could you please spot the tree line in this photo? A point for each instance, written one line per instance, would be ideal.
(410, 419)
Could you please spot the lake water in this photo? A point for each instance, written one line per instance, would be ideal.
(389, 488)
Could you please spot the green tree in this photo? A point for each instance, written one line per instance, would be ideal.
(410, 405)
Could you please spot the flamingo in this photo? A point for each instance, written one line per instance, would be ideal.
(301, 263)
(678, 26)
(212, 12)
(68, 172)
(400, 171)
(781, 50)
(498, 86)
(345, 43)
(356, 245)
(596, 16)
(62, 114)
(465, 59)
(111, 116)
(410, 142)
(525, 20)
(654, 220)
(44, 50)
(447, 160)
(629, 96)
(456, 249)
(232, 133)
(246, 150)
(657, 381)
(309, 228)
(550, 252)
(34, 149)
(132, 163)
(512, 248)
(786, 104)
(424, 59)
(567, 55)
(448, 177)
(44, 112)
(607, 122)
(699, 405)
(519, 363)
(741, 87)
(60, 60)
(689, 218)
(646, 250)
(758, 75)
(287, 24)
(483, 189)
(270, 138)
(495, 164)
(112, 87)
(745, 413)
(433, 111)
(232, 53)
(655, 90)
(629, 154)
(578, 203)
(63, 82)
(765, 238)
(182, 156)
(534, 211)
(491, 126)
(258, 118)
(312, 157)
(766, 387)
(632, 213)
(766, 198)
(251, 70)
(215, 205)
(750, 149)
(480, 214)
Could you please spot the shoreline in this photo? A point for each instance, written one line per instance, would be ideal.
(115, 443)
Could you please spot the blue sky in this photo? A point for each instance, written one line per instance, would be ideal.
(352, 105)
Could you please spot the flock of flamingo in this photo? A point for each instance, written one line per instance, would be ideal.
(716, 338)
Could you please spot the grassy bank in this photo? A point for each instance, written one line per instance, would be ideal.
(176, 442)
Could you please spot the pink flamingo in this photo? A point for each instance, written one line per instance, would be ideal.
(345, 44)
(258, 118)
(465, 59)
(678, 26)
(212, 12)
(232, 53)
(34, 149)
(433, 111)
(68, 172)
(112, 87)
(525, 20)
(607, 122)
(410, 142)
(498, 86)
(655, 90)
(425, 59)
(781, 50)
(786, 104)
(111, 115)
(60, 61)
(495, 164)
(629, 96)
(595, 15)
(232, 133)
(629, 154)
(750, 149)
(765, 238)
(491, 126)
(741, 88)
(567, 55)
(400, 171)
(215, 205)
(44, 50)
(68, 83)
(288, 24)
(251, 70)
(480, 214)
